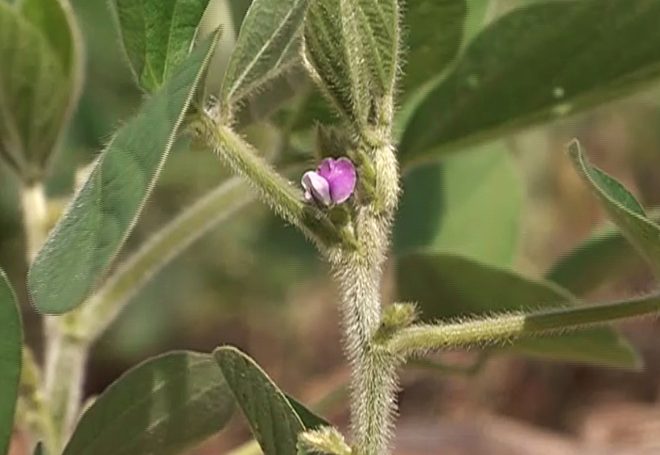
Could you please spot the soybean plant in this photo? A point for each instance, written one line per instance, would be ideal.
(392, 102)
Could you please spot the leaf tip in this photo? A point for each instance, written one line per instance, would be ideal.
(574, 149)
(223, 353)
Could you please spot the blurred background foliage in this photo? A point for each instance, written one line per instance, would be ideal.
(253, 282)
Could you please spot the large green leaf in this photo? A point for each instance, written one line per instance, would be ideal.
(40, 78)
(84, 242)
(435, 31)
(596, 261)
(157, 35)
(10, 360)
(477, 12)
(274, 422)
(622, 208)
(268, 43)
(469, 204)
(163, 406)
(421, 208)
(535, 64)
(453, 287)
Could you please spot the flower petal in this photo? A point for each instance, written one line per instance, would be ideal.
(326, 168)
(342, 180)
(317, 187)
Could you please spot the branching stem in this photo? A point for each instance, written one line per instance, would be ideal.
(505, 328)
(279, 193)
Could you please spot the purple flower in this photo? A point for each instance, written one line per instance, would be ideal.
(333, 182)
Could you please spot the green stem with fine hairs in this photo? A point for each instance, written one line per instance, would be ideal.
(283, 196)
(280, 194)
(359, 275)
(420, 339)
(373, 378)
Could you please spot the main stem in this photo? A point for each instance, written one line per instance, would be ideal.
(373, 382)
(359, 275)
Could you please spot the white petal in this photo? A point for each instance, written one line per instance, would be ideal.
(317, 186)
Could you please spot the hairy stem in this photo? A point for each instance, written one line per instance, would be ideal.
(283, 197)
(359, 275)
(279, 193)
(498, 329)
(373, 382)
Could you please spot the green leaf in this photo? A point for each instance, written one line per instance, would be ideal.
(102, 214)
(10, 360)
(310, 420)
(268, 43)
(330, 50)
(353, 49)
(239, 9)
(477, 14)
(284, 91)
(378, 29)
(594, 262)
(483, 196)
(435, 31)
(218, 15)
(421, 208)
(157, 35)
(524, 69)
(39, 82)
(55, 20)
(274, 422)
(469, 204)
(453, 287)
(163, 406)
(622, 208)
